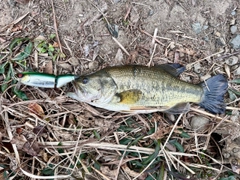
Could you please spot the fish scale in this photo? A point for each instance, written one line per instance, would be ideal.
(164, 87)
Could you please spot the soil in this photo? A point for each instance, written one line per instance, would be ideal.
(196, 34)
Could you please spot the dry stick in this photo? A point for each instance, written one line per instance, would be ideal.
(55, 26)
(119, 165)
(97, 171)
(10, 135)
(15, 21)
(144, 32)
(209, 114)
(153, 45)
(151, 58)
(189, 66)
(120, 45)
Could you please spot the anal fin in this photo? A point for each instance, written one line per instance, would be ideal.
(179, 108)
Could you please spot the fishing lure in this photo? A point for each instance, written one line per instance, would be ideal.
(45, 80)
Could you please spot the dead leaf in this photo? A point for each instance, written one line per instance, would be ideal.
(17, 28)
(108, 172)
(31, 148)
(134, 15)
(48, 68)
(28, 146)
(19, 130)
(19, 141)
(133, 57)
(66, 66)
(71, 119)
(119, 57)
(40, 130)
(55, 44)
(132, 173)
(73, 61)
(36, 109)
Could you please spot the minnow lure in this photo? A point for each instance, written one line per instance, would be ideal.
(45, 80)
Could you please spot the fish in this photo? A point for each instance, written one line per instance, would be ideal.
(142, 89)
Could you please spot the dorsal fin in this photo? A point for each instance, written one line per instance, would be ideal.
(174, 69)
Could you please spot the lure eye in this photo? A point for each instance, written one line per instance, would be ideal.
(85, 80)
(19, 75)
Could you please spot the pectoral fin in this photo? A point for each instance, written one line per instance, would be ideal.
(130, 97)
(179, 108)
(174, 69)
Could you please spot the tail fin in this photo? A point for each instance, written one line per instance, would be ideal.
(214, 90)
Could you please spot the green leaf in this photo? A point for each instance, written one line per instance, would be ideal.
(27, 51)
(161, 172)
(177, 145)
(4, 85)
(135, 141)
(235, 92)
(60, 150)
(229, 178)
(50, 48)
(15, 42)
(20, 94)
(237, 81)
(47, 171)
(125, 141)
(154, 155)
(96, 134)
(2, 68)
(52, 36)
(184, 134)
(97, 165)
(232, 96)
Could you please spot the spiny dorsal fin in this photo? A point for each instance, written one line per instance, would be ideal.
(174, 69)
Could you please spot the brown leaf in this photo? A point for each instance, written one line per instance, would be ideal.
(55, 44)
(31, 148)
(28, 146)
(108, 172)
(36, 109)
(71, 119)
(48, 68)
(40, 130)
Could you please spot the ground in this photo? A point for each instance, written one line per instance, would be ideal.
(45, 134)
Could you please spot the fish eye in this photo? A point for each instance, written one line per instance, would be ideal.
(85, 80)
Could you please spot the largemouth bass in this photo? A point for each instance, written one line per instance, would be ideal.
(141, 89)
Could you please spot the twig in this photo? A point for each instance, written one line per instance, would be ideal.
(120, 45)
(15, 21)
(101, 174)
(151, 58)
(189, 66)
(144, 32)
(55, 26)
(209, 114)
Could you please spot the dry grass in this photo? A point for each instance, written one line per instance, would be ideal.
(51, 136)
